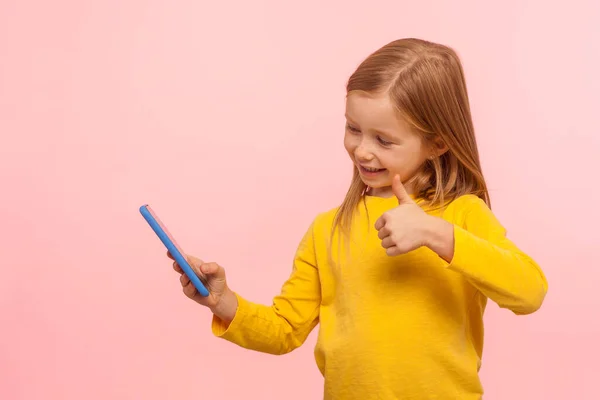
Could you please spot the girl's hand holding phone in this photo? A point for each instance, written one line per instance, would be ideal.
(221, 300)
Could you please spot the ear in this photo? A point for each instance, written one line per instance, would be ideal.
(438, 147)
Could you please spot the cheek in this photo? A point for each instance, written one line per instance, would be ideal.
(403, 160)
(413, 158)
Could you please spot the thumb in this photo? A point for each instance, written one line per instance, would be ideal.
(203, 269)
(213, 269)
(400, 191)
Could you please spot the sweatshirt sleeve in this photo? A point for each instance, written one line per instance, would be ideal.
(494, 264)
(284, 325)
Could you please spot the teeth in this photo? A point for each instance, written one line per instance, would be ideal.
(372, 169)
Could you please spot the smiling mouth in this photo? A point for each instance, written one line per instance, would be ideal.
(371, 170)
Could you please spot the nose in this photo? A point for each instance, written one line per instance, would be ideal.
(362, 153)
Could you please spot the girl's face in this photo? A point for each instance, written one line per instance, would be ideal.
(380, 144)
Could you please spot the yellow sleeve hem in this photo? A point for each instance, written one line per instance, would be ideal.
(460, 255)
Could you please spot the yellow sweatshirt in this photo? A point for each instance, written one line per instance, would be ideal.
(405, 327)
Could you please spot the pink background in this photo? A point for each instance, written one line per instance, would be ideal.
(210, 112)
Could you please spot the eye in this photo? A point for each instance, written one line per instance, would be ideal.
(352, 129)
(383, 141)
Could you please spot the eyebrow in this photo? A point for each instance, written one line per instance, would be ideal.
(348, 118)
(384, 133)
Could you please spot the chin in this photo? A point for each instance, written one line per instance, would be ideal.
(377, 184)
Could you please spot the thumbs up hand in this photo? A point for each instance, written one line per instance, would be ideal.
(403, 228)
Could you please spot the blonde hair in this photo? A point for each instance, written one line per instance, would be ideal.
(426, 83)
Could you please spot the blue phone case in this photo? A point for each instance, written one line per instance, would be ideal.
(179, 258)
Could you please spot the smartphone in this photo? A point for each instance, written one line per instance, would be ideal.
(163, 234)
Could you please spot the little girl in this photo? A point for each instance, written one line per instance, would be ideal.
(399, 274)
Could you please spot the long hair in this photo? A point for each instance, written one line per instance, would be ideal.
(425, 81)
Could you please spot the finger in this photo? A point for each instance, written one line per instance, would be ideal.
(170, 255)
(388, 242)
(379, 223)
(187, 286)
(189, 290)
(400, 191)
(177, 268)
(184, 280)
(393, 251)
(383, 233)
